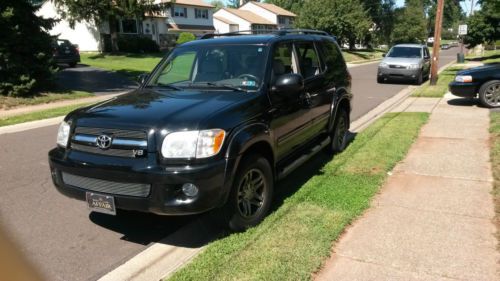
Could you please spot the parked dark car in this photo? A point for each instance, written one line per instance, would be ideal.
(65, 53)
(482, 82)
(213, 127)
(405, 62)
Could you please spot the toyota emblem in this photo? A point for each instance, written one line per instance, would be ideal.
(104, 141)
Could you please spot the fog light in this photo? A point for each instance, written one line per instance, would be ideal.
(190, 189)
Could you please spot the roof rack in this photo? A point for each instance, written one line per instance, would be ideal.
(279, 32)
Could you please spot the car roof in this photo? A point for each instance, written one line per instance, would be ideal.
(410, 45)
(263, 39)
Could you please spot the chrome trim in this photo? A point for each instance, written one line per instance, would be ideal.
(135, 143)
(84, 138)
(105, 186)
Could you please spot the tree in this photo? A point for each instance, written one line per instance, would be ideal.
(381, 13)
(345, 19)
(452, 14)
(101, 11)
(26, 64)
(410, 26)
(484, 25)
(218, 4)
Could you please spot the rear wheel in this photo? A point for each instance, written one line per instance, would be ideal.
(339, 134)
(489, 94)
(251, 195)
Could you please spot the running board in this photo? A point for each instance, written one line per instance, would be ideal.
(295, 164)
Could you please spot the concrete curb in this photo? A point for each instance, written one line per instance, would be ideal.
(30, 125)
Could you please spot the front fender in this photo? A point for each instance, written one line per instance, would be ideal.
(337, 100)
(243, 138)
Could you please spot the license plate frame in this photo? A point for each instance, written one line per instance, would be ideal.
(101, 203)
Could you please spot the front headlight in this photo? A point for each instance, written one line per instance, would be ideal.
(463, 78)
(193, 144)
(63, 134)
(413, 66)
(383, 65)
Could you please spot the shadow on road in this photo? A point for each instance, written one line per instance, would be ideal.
(89, 79)
(199, 230)
(463, 102)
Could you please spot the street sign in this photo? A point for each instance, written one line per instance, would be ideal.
(462, 29)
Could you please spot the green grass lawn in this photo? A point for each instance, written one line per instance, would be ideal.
(437, 91)
(9, 102)
(38, 115)
(495, 163)
(294, 241)
(131, 65)
(490, 56)
(362, 55)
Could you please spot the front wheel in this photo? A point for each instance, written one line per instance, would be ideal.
(339, 134)
(251, 195)
(489, 94)
(420, 78)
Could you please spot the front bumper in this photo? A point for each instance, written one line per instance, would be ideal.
(466, 90)
(398, 73)
(165, 196)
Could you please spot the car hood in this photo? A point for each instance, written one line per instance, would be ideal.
(401, 61)
(171, 110)
(479, 69)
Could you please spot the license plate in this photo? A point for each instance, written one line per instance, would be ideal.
(101, 203)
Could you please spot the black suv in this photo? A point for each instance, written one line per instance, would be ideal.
(214, 126)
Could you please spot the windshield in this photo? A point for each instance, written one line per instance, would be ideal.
(404, 52)
(213, 66)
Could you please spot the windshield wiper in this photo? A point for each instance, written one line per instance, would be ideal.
(170, 86)
(238, 89)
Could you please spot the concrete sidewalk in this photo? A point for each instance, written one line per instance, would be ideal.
(433, 218)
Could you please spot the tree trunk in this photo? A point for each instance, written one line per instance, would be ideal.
(114, 34)
(352, 43)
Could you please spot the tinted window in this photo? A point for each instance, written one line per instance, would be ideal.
(404, 52)
(282, 59)
(199, 66)
(308, 59)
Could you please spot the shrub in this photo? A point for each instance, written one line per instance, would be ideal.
(185, 37)
(26, 64)
(137, 44)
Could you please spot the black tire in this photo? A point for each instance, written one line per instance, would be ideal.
(380, 80)
(489, 94)
(72, 64)
(339, 133)
(420, 78)
(251, 195)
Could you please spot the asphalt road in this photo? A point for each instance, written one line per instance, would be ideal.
(65, 242)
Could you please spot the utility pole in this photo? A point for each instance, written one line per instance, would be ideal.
(437, 42)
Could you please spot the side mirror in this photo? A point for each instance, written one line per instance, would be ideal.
(289, 83)
(141, 79)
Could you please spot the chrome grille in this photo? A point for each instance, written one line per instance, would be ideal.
(127, 134)
(110, 187)
(125, 143)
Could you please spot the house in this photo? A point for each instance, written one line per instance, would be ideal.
(194, 16)
(253, 16)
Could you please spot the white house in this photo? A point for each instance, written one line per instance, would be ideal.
(253, 16)
(272, 13)
(194, 16)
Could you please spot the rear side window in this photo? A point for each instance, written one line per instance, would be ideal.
(332, 56)
(308, 59)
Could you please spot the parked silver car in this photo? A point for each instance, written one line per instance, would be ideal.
(405, 62)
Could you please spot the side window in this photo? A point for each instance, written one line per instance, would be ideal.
(182, 70)
(332, 56)
(283, 61)
(308, 59)
(426, 53)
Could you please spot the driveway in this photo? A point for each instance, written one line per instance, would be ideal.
(95, 80)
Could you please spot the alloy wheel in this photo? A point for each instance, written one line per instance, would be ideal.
(251, 194)
(492, 95)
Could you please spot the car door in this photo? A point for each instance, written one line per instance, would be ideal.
(317, 91)
(290, 118)
(427, 61)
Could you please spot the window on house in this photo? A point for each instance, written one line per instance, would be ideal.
(281, 20)
(290, 20)
(201, 13)
(179, 12)
(129, 26)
